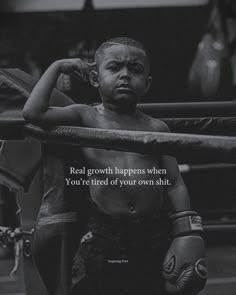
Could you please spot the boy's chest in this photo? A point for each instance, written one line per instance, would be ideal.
(119, 122)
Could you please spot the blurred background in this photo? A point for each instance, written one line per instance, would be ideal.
(178, 35)
(192, 48)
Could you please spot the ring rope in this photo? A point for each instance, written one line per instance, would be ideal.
(14, 129)
(190, 109)
(207, 148)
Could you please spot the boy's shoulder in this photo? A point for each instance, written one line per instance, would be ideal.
(79, 114)
(82, 109)
(156, 124)
(93, 108)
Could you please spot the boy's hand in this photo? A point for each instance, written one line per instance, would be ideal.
(75, 67)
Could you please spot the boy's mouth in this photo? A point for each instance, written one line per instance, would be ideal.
(124, 87)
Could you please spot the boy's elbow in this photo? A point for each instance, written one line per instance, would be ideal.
(30, 116)
(25, 114)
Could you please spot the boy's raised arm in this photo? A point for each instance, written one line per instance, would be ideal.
(37, 109)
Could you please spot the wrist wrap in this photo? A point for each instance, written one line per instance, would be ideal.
(186, 222)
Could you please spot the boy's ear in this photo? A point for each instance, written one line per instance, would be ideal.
(93, 78)
(148, 82)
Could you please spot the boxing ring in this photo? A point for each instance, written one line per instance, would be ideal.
(201, 133)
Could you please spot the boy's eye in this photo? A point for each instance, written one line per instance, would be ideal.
(133, 68)
(137, 69)
(113, 67)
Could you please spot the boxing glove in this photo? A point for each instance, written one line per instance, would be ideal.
(184, 268)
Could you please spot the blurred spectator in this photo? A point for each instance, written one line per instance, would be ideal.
(213, 70)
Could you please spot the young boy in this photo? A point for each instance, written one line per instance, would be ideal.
(124, 249)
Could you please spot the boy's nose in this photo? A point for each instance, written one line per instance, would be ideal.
(125, 73)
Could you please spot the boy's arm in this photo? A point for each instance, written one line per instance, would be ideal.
(37, 109)
(176, 193)
(184, 268)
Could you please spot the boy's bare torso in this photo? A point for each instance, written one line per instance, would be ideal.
(122, 78)
(130, 199)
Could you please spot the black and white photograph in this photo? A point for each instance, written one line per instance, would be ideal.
(117, 147)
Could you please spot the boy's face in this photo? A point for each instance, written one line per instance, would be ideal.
(123, 74)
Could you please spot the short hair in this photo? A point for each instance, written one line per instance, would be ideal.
(120, 40)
